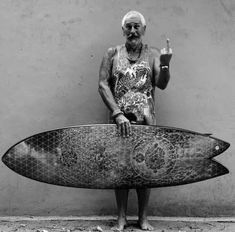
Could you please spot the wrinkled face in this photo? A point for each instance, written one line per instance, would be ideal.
(133, 30)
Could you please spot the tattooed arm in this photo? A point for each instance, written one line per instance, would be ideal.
(105, 74)
(104, 79)
(161, 68)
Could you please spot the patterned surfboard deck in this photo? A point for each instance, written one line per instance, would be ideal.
(94, 156)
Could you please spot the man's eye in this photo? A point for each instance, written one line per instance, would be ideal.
(137, 26)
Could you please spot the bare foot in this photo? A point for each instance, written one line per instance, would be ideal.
(144, 225)
(121, 224)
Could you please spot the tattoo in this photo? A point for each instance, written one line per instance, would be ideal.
(105, 74)
(106, 65)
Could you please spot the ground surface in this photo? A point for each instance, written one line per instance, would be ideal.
(106, 226)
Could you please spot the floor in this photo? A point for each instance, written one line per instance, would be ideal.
(100, 225)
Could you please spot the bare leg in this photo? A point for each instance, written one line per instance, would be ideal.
(121, 199)
(143, 199)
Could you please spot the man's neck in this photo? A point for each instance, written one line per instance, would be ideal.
(131, 48)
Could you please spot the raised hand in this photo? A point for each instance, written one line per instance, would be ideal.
(166, 54)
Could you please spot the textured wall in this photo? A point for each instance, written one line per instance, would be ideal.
(50, 55)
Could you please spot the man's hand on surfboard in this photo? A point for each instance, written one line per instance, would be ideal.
(124, 126)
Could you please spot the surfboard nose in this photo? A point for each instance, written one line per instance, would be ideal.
(6, 158)
(20, 150)
(3, 159)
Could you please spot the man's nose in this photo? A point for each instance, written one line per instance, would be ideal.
(132, 30)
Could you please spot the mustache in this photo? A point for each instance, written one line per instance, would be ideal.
(132, 35)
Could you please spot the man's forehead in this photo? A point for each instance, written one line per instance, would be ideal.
(133, 19)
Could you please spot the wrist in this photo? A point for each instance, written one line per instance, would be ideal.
(116, 113)
(164, 67)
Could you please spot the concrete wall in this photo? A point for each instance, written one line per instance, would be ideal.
(50, 52)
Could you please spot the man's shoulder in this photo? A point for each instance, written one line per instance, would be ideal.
(154, 51)
(112, 51)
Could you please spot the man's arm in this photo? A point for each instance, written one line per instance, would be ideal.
(107, 96)
(104, 77)
(161, 66)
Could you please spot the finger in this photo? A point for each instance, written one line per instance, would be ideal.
(119, 129)
(163, 51)
(130, 129)
(127, 127)
(170, 51)
(167, 45)
(123, 131)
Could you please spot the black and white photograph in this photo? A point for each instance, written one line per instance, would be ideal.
(117, 116)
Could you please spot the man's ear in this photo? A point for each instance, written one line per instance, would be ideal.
(144, 29)
(123, 33)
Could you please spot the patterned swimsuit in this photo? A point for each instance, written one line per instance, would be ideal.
(132, 86)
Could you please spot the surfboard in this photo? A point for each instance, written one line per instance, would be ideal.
(95, 156)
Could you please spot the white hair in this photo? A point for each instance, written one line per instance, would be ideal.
(133, 13)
